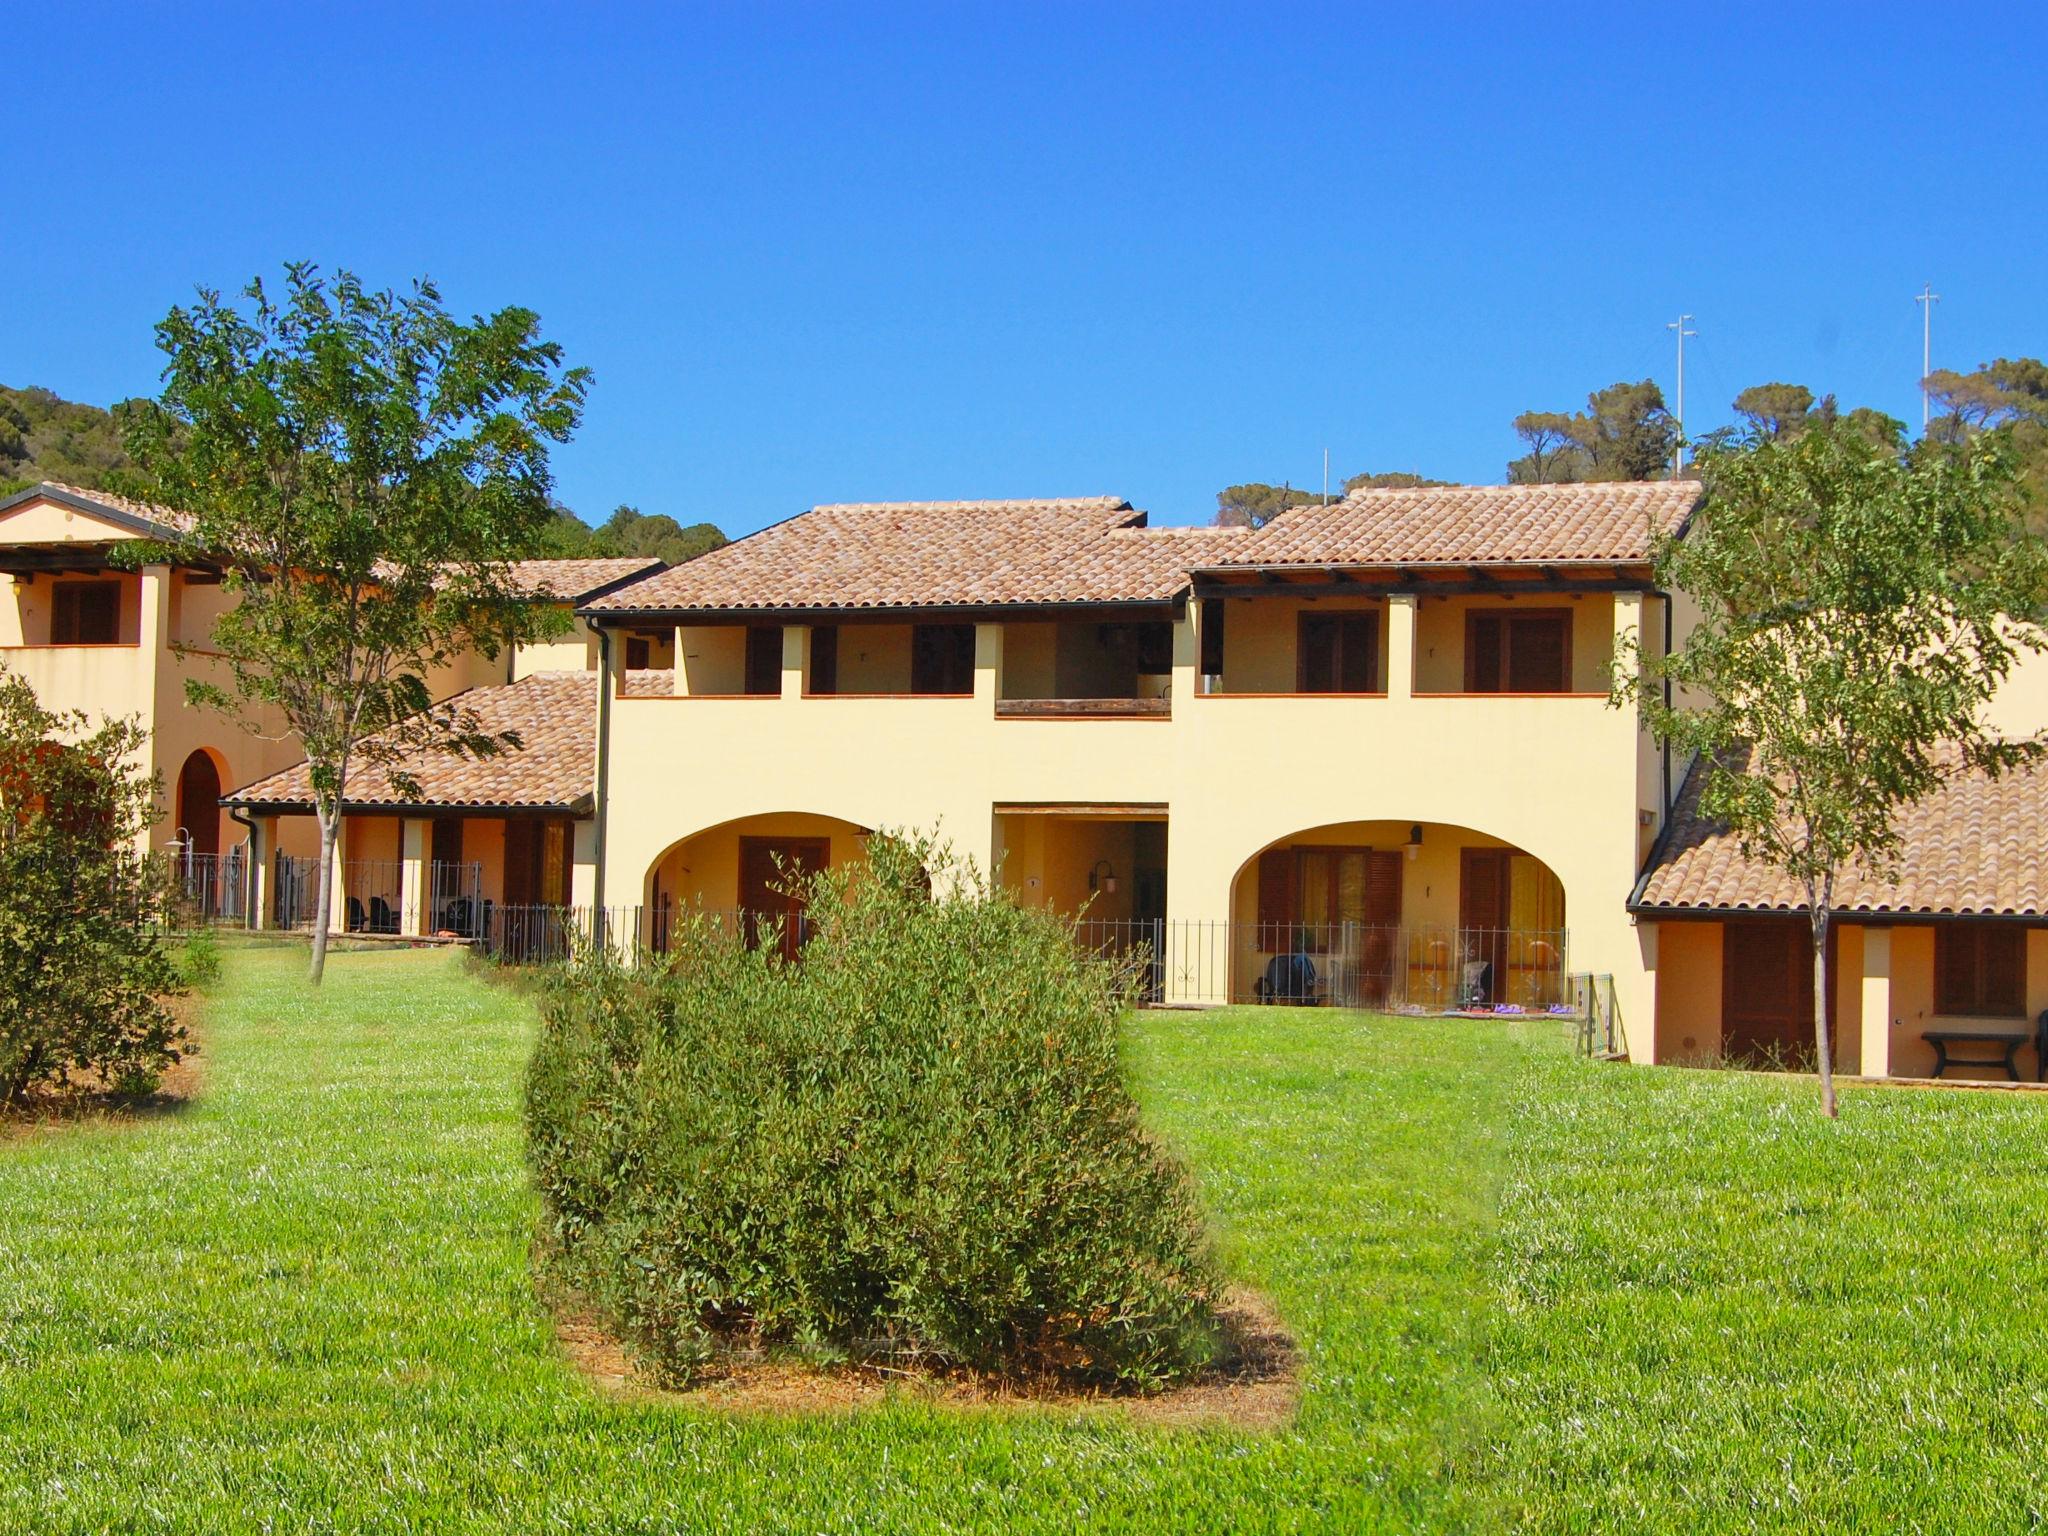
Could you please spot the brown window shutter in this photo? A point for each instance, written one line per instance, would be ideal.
(825, 659)
(1482, 653)
(1539, 653)
(1383, 889)
(2005, 971)
(1361, 653)
(1276, 894)
(764, 659)
(1955, 969)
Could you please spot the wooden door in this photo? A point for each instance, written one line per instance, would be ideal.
(199, 803)
(1484, 891)
(1767, 990)
(773, 871)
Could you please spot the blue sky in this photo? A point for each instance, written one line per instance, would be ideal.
(852, 253)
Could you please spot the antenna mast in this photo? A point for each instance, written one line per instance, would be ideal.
(1926, 298)
(1678, 453)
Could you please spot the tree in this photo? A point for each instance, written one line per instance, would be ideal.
(83, 968)
(1843, 676)
(43, 437)
(629, 531)
(1390, 480)
(362, 467)
(1548, 435)
(1255, 503)
(2010, 394)
(1623, 434)
(1775, 410)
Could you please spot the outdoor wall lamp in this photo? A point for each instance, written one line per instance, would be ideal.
(1102, 877)
(1415, 841)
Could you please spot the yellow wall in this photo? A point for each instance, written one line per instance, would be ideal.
(874, 658)
(1554, 777)
(710, 659)
(1046, 861)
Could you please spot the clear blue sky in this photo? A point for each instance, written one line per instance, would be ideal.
(840, 253)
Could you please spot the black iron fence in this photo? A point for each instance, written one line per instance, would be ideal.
(209, 888)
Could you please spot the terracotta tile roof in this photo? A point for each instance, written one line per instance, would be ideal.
(1974, 847)
(931, 554)
(574, 580)
(1477, 525)
(991, 553)
(555, 714)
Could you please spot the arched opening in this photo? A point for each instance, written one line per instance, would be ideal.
(742, 870)
(199, 810)
(1423, 916)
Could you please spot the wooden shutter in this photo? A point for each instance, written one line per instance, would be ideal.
(1383, 889)
(1358, 653)
(1482, 652)
(942, 658)
(1539, 647)
(1276, 897)
(1315, 654)
(764, 659)
(2004, 953)
(85, 613)
(1955, 969)
(825, 659)
(520, 857)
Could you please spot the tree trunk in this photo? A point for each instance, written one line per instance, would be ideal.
(1822, 1034)
(323, 903)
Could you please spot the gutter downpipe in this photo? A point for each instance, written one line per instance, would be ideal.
(604, 767)
(239, 816)
(1664, 810)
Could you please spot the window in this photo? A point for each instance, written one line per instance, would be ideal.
(1155, 647)
(1337, 653)
(637, 653)
(825, 659)
(85, 613)
(764, 659)
(1980, 969)
(1509, 652)
(1313, 889)
(942, 658)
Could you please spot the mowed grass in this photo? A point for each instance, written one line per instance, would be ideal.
(1531, 1292)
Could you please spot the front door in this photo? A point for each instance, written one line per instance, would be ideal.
(773, 874)
(199, 803)
(1767, 990)
(1484, 888)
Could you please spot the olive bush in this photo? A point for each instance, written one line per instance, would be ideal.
(84, 970)
(913, 1141)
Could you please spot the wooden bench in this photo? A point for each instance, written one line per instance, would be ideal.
(2007, 1040)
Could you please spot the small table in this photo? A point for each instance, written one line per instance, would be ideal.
(2007, 1041)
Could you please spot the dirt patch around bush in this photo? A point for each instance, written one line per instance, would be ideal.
(87, 1101)
(1253, 1383)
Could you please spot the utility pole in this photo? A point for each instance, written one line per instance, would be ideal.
(1678, 454)
(1326, 477)
(1926, 298)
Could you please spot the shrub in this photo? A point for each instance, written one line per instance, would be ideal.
(916, 1140)
(83, 967)
(198, 959)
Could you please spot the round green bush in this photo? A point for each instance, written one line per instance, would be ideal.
(915, 1141)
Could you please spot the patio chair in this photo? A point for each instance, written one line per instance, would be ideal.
(1288, 979)
(382, 918)
(356, 921)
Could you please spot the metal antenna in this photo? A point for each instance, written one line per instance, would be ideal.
(1678, 453)
(1926, 298)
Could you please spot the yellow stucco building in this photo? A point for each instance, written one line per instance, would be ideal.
(1361, 755)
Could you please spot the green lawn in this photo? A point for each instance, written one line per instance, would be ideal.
(1531, 1292)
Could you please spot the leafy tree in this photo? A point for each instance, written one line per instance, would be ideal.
(1390, 480)
(362, 466)
(83, 967)
(1625, 433)
(1775, 410)
(1833, 684)
(1255, 503)
(629, 531)
(2010, 394)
